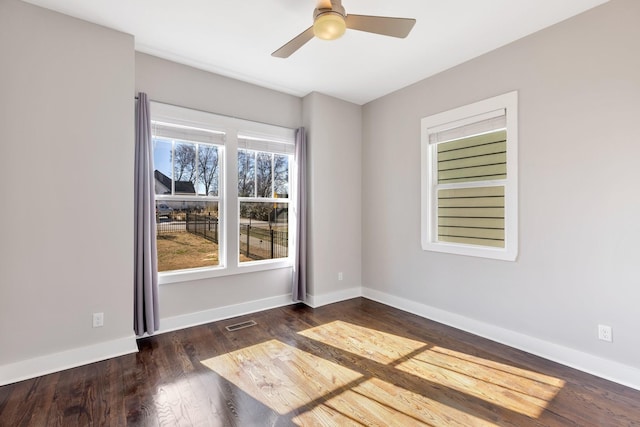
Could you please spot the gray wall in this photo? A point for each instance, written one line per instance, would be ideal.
(66, 156)
(579, 92)
(334, 174)
(172, 83)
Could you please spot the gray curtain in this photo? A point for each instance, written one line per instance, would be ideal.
(146, 317)
(299, 282)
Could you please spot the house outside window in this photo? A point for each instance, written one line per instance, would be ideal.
(470, 179)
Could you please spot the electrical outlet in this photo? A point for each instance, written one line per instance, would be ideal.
(340, 275)
(98, 320)
(604, 333)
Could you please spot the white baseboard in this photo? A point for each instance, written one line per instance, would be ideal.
(316, 301)
(43, 365)
(220, 313)
(604, 368)
(55, 362)
(594, 365)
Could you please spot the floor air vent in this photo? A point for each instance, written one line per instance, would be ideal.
(240, 325)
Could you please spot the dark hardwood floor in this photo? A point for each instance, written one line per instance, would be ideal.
(352, 363)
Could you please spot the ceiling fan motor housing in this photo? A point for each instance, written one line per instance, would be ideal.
(336, 7)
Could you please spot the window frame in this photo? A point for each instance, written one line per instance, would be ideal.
(452, 119)
(228, 201)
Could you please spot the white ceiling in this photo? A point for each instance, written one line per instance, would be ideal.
(235, 38)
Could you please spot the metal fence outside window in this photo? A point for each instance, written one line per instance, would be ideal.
(165, 226)
(203, 225)
(256, 242)
(263, 243)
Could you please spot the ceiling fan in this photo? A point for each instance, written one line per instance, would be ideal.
(330, 21)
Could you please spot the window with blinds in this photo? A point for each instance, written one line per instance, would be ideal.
(470, 179)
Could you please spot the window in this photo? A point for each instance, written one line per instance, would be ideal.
(215, 177)
(187, 163)
(263, 196)
(469, 179)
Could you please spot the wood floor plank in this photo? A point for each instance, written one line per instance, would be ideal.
(356, 363)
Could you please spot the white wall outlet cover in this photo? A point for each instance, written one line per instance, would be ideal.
(605, 333)
(98, 320)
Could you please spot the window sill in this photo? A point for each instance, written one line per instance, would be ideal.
(181, 276)
(480, 252)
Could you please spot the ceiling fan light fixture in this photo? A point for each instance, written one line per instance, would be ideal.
(329, 26)
(330, 21)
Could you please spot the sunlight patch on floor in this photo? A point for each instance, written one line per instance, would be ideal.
(391, 381)
(377, 402)
(518, 390)
(375, 345)
(280, 376)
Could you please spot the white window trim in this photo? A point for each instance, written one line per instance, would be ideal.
(458, 117)
(234, 129)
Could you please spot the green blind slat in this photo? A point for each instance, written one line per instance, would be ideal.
(472, 212)
(472, 222)
(470, 202)
(480, 233)
(472, 241)
(479, 150)
(473, 179)
(473, 141)
(473, 172)
(471, 192)
(467, 162)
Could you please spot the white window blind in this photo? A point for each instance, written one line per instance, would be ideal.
(266, 145)
(470, 126)
(186, 133)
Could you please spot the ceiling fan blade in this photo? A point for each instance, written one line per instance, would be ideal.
(294, 44)
(387, 26)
